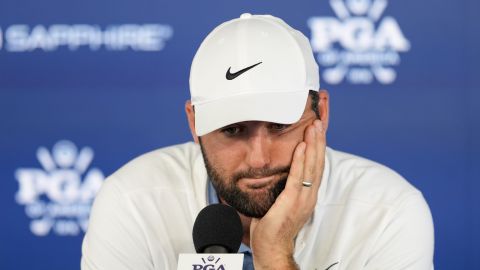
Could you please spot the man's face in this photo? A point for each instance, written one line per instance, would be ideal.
(248, 162)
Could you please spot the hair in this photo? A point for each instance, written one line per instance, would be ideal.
(315, 97)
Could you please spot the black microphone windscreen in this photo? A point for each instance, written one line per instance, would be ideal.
(217, 224)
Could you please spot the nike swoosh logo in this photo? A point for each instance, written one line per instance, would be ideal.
(231, 76)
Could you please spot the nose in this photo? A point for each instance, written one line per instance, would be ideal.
(258, 155)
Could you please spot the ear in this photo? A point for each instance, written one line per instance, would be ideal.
(324, 107)
(191, 119)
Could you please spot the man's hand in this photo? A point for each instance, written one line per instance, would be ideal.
(272, 238)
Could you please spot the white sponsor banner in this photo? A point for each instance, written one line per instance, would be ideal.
(360, 44)
(58, 196)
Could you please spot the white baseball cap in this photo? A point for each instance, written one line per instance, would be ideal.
(253, 68)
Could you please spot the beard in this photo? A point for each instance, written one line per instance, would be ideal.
(250, 204)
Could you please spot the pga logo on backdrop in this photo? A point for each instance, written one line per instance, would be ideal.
(58, 196)
(360, 44)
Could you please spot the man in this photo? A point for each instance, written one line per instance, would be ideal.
(259, 123)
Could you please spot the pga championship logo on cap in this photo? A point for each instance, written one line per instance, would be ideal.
(219, 261)
(58, 196)
(360, 45)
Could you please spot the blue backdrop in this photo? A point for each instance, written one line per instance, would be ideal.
(85, 86)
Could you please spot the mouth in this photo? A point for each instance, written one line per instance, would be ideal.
(259, 182)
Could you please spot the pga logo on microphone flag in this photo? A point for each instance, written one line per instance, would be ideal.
(205, 261)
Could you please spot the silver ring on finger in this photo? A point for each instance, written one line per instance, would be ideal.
(306, 183)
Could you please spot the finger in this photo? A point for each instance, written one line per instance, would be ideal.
(289, 195)
(306, 200)
(309, 170)
(296, 168)
(320, 148)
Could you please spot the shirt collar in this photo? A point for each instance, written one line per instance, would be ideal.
(213, 199)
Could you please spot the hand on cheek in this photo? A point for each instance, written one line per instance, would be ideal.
(272, 237)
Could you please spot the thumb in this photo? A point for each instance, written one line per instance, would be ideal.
(253, 225)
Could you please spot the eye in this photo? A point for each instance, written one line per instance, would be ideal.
(231, 130)
(278, 127)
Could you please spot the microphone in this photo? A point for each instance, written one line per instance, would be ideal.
(217, 229)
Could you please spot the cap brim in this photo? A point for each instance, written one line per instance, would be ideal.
(276, 107)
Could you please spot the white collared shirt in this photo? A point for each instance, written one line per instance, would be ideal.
(366, 217)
